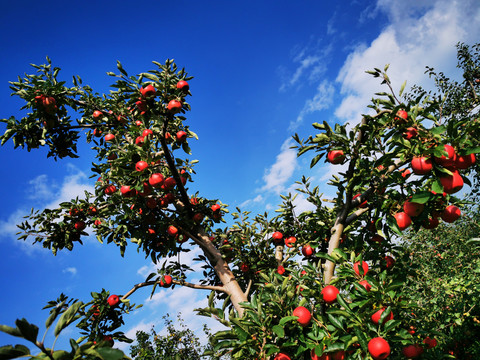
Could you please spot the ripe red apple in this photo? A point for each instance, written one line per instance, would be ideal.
(97, 132)
(198, 218)
(172, 230)
(451, 214)
(452, 183)
(166, 282)
(80, 225)
(147, 132)
(183, 85)
(174, 106)
(169, 183)
(307, 250)
(412, 208)
(304, 315)
(406, 173)
(379, 348)
(97, 222)
(431, 343)
(290, 241)
(431, 223)
(282, 356)
(390, 261)
(156, 180)
(97, 115)
(215, 207)
(338, 355)
(329, 294)
(403, 220)
(401, 117)
(412, 351)
(464, 161)
(410, 133)
(141, 165)
(113, 300)
(110, 189)
(422, 165)
(364, 266)
(376, 316)
(363, 204)
(244, 268)
(277, 237)
(127, 191)
(181, 136)
(335, 156)
(148, 91)
(281, 270)
(139, 140)
(449, 160)
(141, 106)
(50, 104)
(366, 285)
(109, 137)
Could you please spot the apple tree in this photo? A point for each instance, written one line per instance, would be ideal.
(325, 283)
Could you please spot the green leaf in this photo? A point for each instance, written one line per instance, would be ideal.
(421, 197)
(438, 130)
(277, 329)
(343, 303)
(335, 321)
(67, 317)
(10, 330)
(437, 187)
(107, 353)
(54, 313)
(10, 352)
(61, 355)
(402, 88)
(119, 66)
(286, 319)
(29, 331)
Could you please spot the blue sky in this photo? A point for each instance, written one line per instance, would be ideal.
(263, 71)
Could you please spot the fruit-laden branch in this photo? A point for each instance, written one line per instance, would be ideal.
(340, 222)
(176, 282)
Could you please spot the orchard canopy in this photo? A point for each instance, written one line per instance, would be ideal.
(322, 284)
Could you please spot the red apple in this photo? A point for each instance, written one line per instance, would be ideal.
(307, 250)
(412, 351)
(410, 133)
(422, 165)
(138, 122)
(431, 343)
(110, 189)
(390, 261)
(449, 160)
(148, 91)
(174, 106)
(172, 230)
(113, 300)
(282, 356)
(403, 220)
(80, 225)
(451, 214)
(280, 270)
(338, 355)
(379, 348)
(166, 282)
(183, 85)
(50, 105)
(244, 268)
(412, 208)
(366, 285)
(304, 315)
(142, 106)
(97, 115)
(147, 132)
(97, 222)
(139, 140)
(401, 117)
(156, 180)
(364, 266)
(290, 241)
(97, 132)
(181, 136)
(431, 223)
(141, 165)
(363, 204)
(329, 294)
(406, 173)
(452, 183)
(376, 316)
(109, 137)
(198, 218)
(277, 237)
(169, 183)
(464, 161)
(215, 207)
(335, 156)
(127, 191)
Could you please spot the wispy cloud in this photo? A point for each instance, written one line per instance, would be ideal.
(281, 171)
(70, 270)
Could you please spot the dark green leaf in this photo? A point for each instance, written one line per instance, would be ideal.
(10, 352)
(29, 331)
(67, 317)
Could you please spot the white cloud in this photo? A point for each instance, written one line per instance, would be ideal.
(322, 99)
(281, 171)
(70, 270)
(256, 200)
(419, 35)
